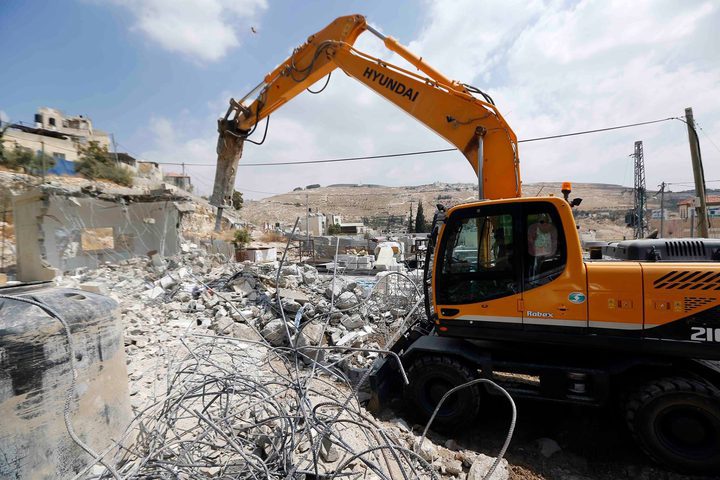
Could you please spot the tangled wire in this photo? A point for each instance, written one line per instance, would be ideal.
(239, 408)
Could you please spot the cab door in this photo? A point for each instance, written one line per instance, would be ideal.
(553, 274)
(477, 282)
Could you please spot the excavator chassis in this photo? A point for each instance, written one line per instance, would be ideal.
(553, 373)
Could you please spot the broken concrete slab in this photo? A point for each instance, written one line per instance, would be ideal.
(346, 300)
(481, 466)
(275, 332)
(295, 295)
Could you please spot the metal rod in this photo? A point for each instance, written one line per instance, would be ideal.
(375, 32)
(480, 165)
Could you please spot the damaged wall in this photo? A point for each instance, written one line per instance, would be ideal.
(66, 232)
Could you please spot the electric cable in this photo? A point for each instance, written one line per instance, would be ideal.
(425, 152)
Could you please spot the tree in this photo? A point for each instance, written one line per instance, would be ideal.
(420, 223)
(241, 238)
(2, 145)
(334, 229)
(95, 162)
(410, 227)
(25, 159)
(237, 200)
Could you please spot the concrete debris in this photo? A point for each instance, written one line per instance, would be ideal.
(275, 332)
(346, 300)
(482, 465)
(227, 323)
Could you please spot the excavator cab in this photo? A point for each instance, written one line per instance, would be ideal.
(493, 262)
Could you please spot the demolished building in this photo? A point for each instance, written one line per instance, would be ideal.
(62, 229)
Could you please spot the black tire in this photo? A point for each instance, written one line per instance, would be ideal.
(431, 376)
(676, 421)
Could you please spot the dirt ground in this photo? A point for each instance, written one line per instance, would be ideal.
(595, 445)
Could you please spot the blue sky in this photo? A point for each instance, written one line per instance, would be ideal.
(158, 73)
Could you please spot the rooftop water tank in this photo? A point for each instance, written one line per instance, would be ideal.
(35, 374)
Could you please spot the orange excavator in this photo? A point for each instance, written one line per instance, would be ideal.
(509, 294)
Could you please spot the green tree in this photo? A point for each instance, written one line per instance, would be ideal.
(334, 229)
(420, 223)
(25, 159)
(237, 200)
(410, 227)
(242, 238)
(3, 128)
(95, 162)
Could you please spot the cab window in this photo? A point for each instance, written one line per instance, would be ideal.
(478, 257)
(545, 249)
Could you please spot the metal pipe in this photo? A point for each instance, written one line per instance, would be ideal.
(480, 166)
(374, 32)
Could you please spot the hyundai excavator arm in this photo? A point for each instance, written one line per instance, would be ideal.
(447, 107)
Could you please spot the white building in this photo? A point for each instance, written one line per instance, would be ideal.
(317, 224)
(54, 133)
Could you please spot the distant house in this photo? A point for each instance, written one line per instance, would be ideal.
(57, 135)
(180, 180)
(349, 228)
(713, 203)
(62, 137)
(317, 224)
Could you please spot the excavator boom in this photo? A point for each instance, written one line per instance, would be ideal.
(449, 108)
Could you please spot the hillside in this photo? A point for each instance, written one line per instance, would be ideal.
(376, 205)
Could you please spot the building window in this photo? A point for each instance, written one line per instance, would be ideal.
(51, 121)
(38, 118)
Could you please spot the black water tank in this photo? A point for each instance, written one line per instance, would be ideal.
(35, 373)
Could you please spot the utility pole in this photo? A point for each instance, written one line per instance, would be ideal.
(662, 208)
(692, 223)
(112, 136)
(698, 174)
(183, 168)
(411, 216)
(42, 143)
(307, 218)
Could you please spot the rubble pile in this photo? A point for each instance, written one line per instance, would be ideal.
(241, 370)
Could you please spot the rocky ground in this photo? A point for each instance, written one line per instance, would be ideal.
(212, 355)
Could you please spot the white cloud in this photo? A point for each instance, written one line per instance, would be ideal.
(202, 29)
(551, 67)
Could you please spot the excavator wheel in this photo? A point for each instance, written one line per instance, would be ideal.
(431, 376)
(676, 421)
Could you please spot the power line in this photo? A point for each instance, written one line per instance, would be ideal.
(606, 129)
(422, 152)
(707, 136)
(690, 183)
